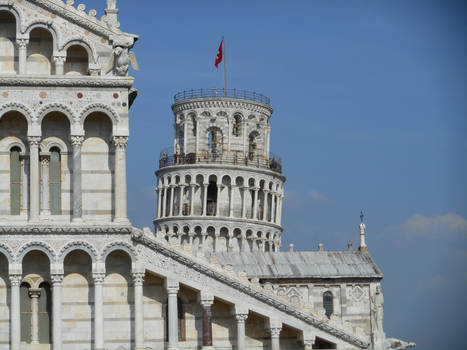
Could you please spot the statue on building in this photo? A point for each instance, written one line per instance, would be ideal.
(111, 4)
(377, 301)
(120, 61)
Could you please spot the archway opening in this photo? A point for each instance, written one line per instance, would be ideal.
(8, 51)
(77, 61)
(40, 51)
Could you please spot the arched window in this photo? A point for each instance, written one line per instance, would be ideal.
(77, 61)
(237, 126)
(15, 181)
(55, 181)
(328, 304)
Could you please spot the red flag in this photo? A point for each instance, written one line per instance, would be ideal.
(219, 54)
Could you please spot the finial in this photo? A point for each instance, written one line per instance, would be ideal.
(363, 247)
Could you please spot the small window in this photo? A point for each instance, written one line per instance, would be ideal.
(55, 182)
(15, 181)
(328, 304)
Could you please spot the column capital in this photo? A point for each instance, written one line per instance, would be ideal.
(274, 331)
(22, 43)
(34, 292)
(34, 140)
(138, 278)
(57, 279)
(172, 287)
(120, 142)
(241, 318)
(98, 277)
(206, 300)
(76, 140)
(15, 280)
(59, 59)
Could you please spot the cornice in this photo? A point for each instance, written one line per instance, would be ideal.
(64, 81)
(81, 18)
(245, 288)
(222, 102)
(218, 219)
(65, 229)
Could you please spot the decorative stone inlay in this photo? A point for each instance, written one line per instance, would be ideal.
(64, 81)
(357, 293)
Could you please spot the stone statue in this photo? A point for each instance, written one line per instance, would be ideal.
(396, 344)
(377, 302)
(111, 4)
(121, 60)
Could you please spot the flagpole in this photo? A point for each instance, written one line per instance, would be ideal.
(225, 68)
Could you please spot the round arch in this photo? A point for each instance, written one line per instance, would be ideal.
(101, 108)
(53, 142)
(13, 9)
(79, 41)
(79, 245)
(7, 252)
(56, 107)
(46, 26)
(40, 246)
(123, 246)
(16, 143)
(24, 110)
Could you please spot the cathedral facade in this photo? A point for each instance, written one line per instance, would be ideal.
(75, 274)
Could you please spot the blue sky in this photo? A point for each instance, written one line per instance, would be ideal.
(370, 102)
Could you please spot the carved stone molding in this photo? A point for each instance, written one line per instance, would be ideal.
(241, 318)
(274, 332)
(80, 245)
(79, 230)
(15, 280)
(99, 107)
(19, 107)
(9, 252)
(64, 81)
(76, 141)
(56, 279)
(56, 107)
(22, 43)
(98, 278)
(222, 103)
(120, 142)
(46, 248)
(34, 141)
(138, 278)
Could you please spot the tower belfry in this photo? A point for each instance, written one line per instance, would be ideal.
(219, 187)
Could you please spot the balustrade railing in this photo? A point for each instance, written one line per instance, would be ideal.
(169, 158)
(226, 93)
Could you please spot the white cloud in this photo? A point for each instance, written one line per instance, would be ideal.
(317, 197)
(437, 226)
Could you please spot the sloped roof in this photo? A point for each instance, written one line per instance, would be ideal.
(303, 264)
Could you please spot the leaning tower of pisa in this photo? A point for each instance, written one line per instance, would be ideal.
(220, 189)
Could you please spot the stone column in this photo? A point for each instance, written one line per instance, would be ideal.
(255, 204)
(45, 203)
(34, 177)
(206, 301)
(25, 187)
(138, 280)
(241, 316)
(34, 294)
(57, 311)
(172, 288)
(280, 209)
(274, 329)
(22, 54)
(171, 200)
(245, 189)
(98, 310)
(59, 64)
(159, 196)
(231, 202)
(219, 187)
(164, 203)
(15, 320)
(182, 198)
(205, 198)
(77, 210)
(192, 203)
(266, 206)
(276, 213)
(120, 143)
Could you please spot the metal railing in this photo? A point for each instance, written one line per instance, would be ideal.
(229, 93)
(169, 158)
